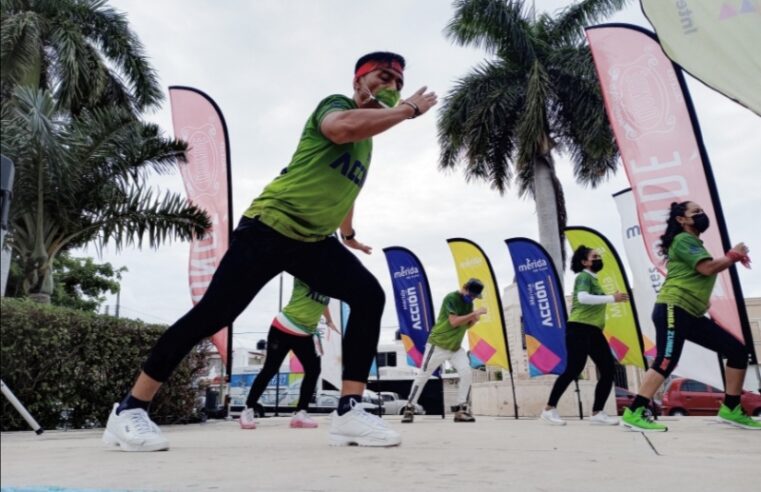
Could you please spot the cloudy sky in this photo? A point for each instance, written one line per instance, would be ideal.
(267, 64)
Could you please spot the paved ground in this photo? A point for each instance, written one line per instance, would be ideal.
(696, 454)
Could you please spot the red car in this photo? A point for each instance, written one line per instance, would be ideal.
(624, 398)
(689, 397)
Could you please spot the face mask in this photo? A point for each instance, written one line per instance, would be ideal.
(700, 222)
(388, 98)
(467, 298)
(596, 265)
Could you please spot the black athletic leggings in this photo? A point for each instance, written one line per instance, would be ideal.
(257, 253)
(583, 340)
(674, 325)
(279, 344)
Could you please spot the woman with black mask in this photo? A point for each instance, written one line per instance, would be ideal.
(679, 315)
(584, 337)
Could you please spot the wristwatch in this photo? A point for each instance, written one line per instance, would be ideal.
(350, 236)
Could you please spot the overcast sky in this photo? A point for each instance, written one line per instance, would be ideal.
(268, 63)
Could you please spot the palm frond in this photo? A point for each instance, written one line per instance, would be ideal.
(532, 130)
(579, 120)
(20, 44)
(571, 21)
(80, 74)
(477, 122)
(110, 31)
(142, 216)
(499, 26)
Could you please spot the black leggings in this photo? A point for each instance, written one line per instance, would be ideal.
(279, 344)
(674, 325)
(581, 341)
(257, 253)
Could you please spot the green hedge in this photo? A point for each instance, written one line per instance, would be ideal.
(56, 358)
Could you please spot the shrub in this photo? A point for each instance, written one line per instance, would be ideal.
(55, 359)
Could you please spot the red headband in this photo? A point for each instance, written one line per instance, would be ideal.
(369, 66)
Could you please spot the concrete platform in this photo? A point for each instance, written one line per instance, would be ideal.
(495, 453)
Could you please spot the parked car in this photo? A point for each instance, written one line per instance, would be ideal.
(624, 398)
(326, 401)
(393, 405)
(690, 397)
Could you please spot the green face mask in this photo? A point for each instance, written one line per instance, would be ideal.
(388, 98)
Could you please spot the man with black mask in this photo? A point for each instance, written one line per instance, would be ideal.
(584, 337)
(445, 344)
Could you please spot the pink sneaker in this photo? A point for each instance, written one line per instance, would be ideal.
(246, 419)
(301, 420)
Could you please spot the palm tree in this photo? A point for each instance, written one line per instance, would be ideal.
(81, 50)
(537, 95)
(83, 179)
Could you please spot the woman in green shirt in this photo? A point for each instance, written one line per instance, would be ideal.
(679, 315)
(294, 328)
(584, 337)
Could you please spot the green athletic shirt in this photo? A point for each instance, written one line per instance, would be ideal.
(445, 335)
(303, 312)
(311, 198)
(684, 285)
(589, 314)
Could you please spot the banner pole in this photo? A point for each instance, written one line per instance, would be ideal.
(578, 398)
(20, 408)
(443, 401)
(378, 380)
(515, 399)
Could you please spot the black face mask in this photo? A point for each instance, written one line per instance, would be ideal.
(700, 222)
(596, 266)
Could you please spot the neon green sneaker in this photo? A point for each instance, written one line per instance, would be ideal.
(737, 417)
(639, 422)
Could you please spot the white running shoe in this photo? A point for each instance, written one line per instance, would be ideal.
(362, 429)
(602, 418)
(552, 417)
(133, 430)
(246, 419)
(301, 420)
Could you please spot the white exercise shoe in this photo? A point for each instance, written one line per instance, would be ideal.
(133, 430)
(602, 418)
(361, 429)
(246, 419)
(552, 417)
(302, 420)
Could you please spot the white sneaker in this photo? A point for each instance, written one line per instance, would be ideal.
(602, 418)
(362, 429)
(246, 419)
(552, 417)
(133, 430)
(301, 420)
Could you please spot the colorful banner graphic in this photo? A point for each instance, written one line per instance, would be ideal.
(487, 338)
(696, 362)
(716, 41)
(198, 121)
(542, 306)
(412, 296)
(621, 324)
(657, 132)
(284, 387)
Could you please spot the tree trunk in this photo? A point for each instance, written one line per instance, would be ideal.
(547, 213)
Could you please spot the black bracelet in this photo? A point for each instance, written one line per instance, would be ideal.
(414, 107)
(350, 236)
